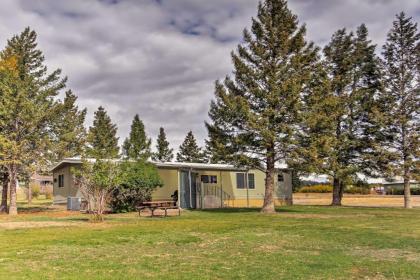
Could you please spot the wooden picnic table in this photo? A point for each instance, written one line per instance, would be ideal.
(163, 205)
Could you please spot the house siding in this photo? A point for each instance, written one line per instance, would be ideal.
(226, 180)
(68, 189)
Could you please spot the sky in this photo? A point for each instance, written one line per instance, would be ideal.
(160, 58)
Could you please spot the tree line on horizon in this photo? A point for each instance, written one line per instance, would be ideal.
(341, 111)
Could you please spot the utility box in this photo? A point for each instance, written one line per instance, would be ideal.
(73, 203)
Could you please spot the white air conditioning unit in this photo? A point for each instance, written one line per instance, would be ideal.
(73, 203)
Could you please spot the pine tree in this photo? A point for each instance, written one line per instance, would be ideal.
(102, 142)
(164, 152)
(69, 130)
(255, 115)
(339, 110)
(401, 101)
(27, 106)
(189, 151)
(137, 145)
(220, 147)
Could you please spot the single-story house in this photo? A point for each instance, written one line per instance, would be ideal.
(397, 185)
(199, 185)
(43, 181)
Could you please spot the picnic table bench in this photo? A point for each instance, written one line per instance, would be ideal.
(161, 205)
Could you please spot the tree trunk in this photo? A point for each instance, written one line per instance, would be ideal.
(5, 190)
(268, 206)
(337, 192)
(29, 193)
(407, 192)
(13, 185)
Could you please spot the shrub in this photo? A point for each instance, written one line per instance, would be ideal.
(48, 192)
(138, 180)
(96, 181)
(35, 190)
(316, 189)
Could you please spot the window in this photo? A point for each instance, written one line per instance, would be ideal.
(204, 179)
(280, 177)
(240, 181)
(61, 181)
(213, 179)
(209, 179)
(251, 181)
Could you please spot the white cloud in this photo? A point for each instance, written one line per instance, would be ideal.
(160, 58)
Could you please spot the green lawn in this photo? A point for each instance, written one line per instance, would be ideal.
(299, 242)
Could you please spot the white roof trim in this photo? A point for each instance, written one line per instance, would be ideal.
(193, 165)
(186, 165)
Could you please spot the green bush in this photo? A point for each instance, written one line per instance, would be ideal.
(316, 189)
(139, 179)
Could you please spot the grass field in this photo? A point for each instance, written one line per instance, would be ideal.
(355, 200)
(299, 242)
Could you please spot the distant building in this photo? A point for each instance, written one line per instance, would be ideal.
(43, 181)
(398, 185)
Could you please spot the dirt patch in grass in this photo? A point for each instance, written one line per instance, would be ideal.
(321, 216)
(354, 200)
(268, 248)
(387, 254)
(23, 225)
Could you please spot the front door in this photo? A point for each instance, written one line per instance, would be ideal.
(188, 189)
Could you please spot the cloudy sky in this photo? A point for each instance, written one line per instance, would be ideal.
(160, 58)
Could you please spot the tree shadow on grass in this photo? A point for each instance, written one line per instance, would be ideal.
(244, 210)
(34, 209)
(78, 219)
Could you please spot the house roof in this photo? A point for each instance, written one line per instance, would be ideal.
(38, 177)
(179, 165)
(398, 182)
(193, 165)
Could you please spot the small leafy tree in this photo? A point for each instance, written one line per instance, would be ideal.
(138, 180)
(163, 151)
(96, 180)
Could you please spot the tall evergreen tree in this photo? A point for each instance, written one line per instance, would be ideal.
(255, 115)
(137, 145)
(102, 140)
(163, 151)
(401, 101)
(69, 130)
(339, 110)
(27, 106)
(189, 151)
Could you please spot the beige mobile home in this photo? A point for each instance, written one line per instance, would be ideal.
(198, 185)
